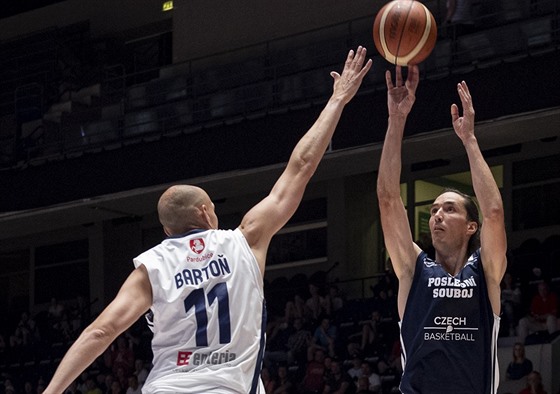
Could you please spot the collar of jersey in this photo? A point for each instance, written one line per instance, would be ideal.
(191, 232)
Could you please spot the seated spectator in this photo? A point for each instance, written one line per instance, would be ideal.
(133, 385)
(116, 388)
(511, 302)
(371, 331)
(298, 343)
(313, 379)
(122, 356)
(520, 366)
(542, 314)
(374, 380)
(294, 309)
(91, 386)
(315, 305)
(55, 309)
(333, 302)
(534, 384)
(284, 384)
(363, 386)
(338, 381)
(390, 363)
(108, 383)
(140, 371)
(324, 337)
(355, 371)
(269, 382)
(277, 335)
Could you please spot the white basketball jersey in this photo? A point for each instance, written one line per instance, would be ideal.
(208, 314)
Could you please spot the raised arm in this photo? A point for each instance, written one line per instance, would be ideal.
(272, 213)
(493, 243)
(132, 301)
(396, 229)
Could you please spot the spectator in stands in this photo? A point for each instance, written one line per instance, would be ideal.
(122, 357)
(371, 332)
(374, 380)
(390, 363)
(55, 309)
(339, 381)
(315, 305)
(298, 343)
(295, 309)
(269, 382)
(542, 313)
(91, 386)
(108, 383)
(40, 386)
(278, 334)
(520, 366)
(534, 384)
(313, 381)
(363, 386)
(324, 337)
(511, 302)
(28, 387)
(140, 371)
(284, 384)
(116, 388)
(133, 385)
(355, 371)
(333, 301)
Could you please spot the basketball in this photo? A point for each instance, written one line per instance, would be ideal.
(404, 32)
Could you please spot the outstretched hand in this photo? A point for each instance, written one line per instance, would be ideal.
(400, 98)
(463, 125)
(347, 84)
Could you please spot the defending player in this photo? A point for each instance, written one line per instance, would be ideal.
(205, 286)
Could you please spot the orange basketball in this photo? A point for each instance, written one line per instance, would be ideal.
(404, 32)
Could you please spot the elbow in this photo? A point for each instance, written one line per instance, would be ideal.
(104, 335)
(495, 214)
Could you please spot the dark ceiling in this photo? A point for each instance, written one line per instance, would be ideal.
(18, 7)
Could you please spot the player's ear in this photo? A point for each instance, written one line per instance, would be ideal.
(166, 231)
(472, 227)
(204, 210)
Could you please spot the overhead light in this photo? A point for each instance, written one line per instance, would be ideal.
(167, 6)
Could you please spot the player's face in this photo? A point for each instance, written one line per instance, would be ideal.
(448, 220)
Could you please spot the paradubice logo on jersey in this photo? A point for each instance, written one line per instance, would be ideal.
(197, 245)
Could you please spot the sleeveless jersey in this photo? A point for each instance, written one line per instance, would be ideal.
(449, 333)
(208, 314)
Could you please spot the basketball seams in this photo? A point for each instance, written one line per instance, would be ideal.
(420, 45)
(393, 30)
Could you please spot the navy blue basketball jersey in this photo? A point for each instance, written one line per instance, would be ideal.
(449, 332)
